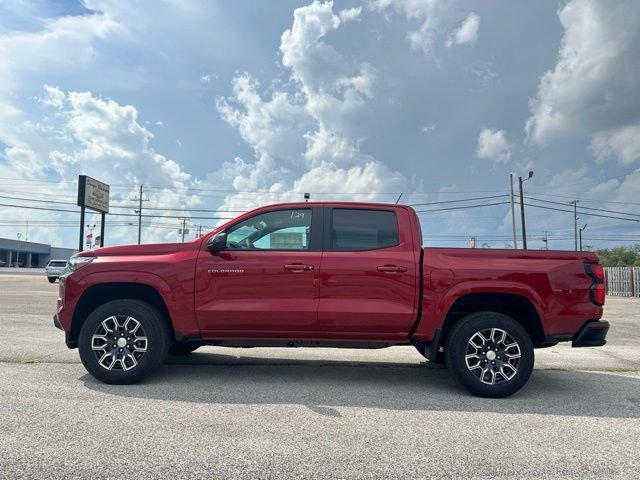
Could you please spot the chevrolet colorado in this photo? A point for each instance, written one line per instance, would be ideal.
(329, 274)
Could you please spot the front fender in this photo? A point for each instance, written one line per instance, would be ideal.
(178, 298)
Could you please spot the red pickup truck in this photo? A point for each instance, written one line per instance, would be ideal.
(329, 275)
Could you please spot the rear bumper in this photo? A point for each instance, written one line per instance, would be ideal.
(592, 334)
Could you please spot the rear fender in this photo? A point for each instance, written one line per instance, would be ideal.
(438, 303)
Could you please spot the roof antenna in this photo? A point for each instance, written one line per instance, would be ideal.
(399, 197)
(307, 196)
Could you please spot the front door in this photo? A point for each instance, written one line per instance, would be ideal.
(265, 283)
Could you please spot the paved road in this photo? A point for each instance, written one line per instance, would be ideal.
(309, 413)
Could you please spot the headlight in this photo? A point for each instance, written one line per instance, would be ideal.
(78, 262)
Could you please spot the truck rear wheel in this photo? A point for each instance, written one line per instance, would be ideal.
(123, 341)
(490, 354)
(51, 279)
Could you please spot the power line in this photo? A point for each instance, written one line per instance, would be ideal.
(586, 208)
(461, 207)
(583, 213)
(456, 201)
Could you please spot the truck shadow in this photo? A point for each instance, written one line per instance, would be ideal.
(323, 386)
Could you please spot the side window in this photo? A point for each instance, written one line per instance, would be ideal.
(278, 230)
(359, 229)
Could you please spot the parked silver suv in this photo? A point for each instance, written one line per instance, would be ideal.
(54, 269)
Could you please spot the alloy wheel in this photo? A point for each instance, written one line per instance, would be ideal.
(119, 342)
(493, 356)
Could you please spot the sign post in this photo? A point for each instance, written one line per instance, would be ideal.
(93, 195)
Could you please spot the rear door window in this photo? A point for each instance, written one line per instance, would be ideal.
(360, 229)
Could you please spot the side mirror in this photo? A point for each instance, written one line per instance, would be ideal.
(217, 243)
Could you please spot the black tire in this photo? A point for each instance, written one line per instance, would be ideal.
(477, 379)
(439, 356)
(156, 333)
(51, 279)
(179, 348)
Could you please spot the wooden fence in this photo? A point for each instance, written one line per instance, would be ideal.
(623, 281)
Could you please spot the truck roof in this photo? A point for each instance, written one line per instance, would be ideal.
(332, 203)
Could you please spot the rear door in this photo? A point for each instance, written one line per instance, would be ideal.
(368, 274)
(265, 283)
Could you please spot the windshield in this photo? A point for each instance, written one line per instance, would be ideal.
(57, 263)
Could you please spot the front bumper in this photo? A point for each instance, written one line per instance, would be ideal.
(56, 322)
(592, 334)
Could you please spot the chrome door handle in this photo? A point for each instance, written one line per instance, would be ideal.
(391, 269)
(298, 267)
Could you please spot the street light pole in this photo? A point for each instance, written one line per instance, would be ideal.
(524, 227)
(575, 225)
(513, 214)
(18, 257)
(580, 235)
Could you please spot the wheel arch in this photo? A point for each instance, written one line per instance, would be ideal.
(516, 306)
(101, 293)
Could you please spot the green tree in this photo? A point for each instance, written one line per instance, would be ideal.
(620, 256)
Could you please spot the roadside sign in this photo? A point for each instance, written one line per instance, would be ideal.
(93, 194)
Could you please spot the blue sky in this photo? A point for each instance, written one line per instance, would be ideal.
(217, 107)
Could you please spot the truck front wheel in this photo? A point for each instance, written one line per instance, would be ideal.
(123, 341)
(490, 354)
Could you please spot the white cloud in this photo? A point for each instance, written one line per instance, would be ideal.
(623, 142)
(427, 130)
(350, 14)
(54, 98)
(308, 139)
(425, 11)
(593, 89)
(82, 133)
(467, 32)
(208, 77)
(493, 144)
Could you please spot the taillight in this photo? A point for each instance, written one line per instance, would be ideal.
(597, 291)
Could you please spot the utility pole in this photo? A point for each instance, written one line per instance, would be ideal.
(139, 212)
(140, 216)
(545, 239)
(513, 214)
(575, 225)
(580, 235)
(184, 227)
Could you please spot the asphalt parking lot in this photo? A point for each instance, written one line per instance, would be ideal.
(309, 413)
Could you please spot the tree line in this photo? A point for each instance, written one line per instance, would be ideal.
(625, 256)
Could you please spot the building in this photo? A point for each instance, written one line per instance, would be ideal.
(30, 254)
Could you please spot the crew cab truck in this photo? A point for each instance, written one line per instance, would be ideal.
(329, 274)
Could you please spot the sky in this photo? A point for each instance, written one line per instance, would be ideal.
(216, 107)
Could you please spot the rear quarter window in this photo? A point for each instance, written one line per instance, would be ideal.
(360, 229)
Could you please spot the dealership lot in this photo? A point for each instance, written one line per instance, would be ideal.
(318, 413)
